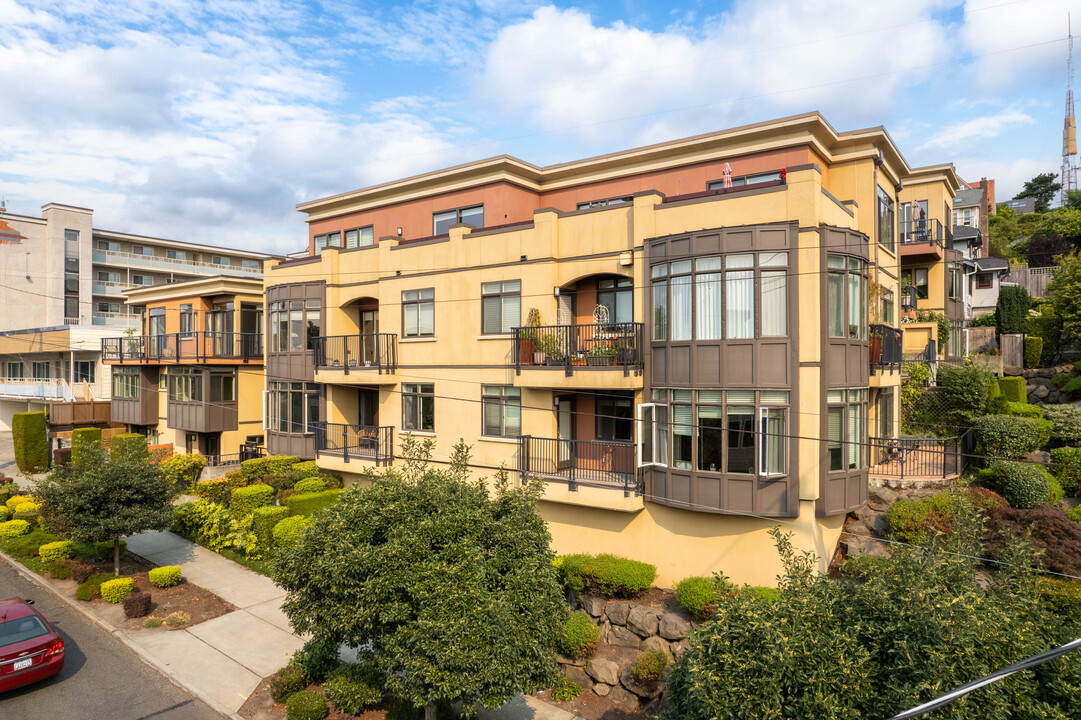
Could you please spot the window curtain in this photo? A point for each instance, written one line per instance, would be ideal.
(854, 305)
(739, 289)
(776, 443)
(708, 306)
(660, 310)
(512, 312)
(834, 436)
(681, 308)
(855, 425)
(774, 303)
(681, 436)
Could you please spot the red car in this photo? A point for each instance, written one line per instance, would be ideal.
(30, 650)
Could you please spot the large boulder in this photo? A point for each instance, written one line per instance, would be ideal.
(622, 637)
(672, 627)
(1040, 392)
(577, 675)
(602, 689)
(617, 612)
(678, 648)
(877, 523)
(564, 660)
(642, 690)
(602, 670)
(594, 605)
(857, 545)
(657, 643)
(643, 620)
(618, 695)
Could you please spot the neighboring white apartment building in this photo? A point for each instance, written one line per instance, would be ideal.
(62, 285)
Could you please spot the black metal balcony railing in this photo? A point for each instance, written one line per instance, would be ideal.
(597, 463)
(246, 453)
(369, 351)
(925, 231)
(175, 347)
(886, 348)
(574, 347)
(355, 442)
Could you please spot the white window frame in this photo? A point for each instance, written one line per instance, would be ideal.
(658, 437)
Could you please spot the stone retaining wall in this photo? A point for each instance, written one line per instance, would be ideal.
(1041, 391)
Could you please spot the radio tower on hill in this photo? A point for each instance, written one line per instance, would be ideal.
(1069, 130)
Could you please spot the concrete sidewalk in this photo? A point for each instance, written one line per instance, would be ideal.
(223, 660)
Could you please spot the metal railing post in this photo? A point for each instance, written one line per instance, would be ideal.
(517, 351)
(345, 443)
(567, 355)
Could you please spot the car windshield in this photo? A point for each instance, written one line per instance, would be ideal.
(20, 629)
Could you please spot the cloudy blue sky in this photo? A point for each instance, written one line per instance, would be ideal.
(209, 121)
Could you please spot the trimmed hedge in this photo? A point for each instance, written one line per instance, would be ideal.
(1013, 389)
(31, 441)
(246, 499)
(1065, 422)
(306, 705)
(350, 690)
(287, 532)
(310, 485)
(215, 490)
(114, 591)
(1066, 466)
(91, 587)
(1010, 437)
(5, 514)
(262, 469)
(183, 469)
(1033, 351)
(165, 576)
(59, 550)
(580, 636)
(263, 521)
(613, 576)
(1025, 410)
(286, 682)
(13, 529)
(85, 445)
(1011, 311)
(308, 467)
(912, 519)
(310, 503)
(137, 605)
(1024, 485)
(698, 595)
(131, 446)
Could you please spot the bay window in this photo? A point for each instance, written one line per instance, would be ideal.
(846, 431)
(293, 407)
(846, 297)
(294, 324)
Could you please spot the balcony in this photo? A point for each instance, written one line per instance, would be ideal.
(887, 348)
(79, 412)
(198, 347)
(924, 237)
(355, 442)
(109, 319)
(28, 389)
(369, 357)
(165, 264)
(591, 463)
(580, 351)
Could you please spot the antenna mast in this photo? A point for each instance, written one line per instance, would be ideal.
(1069, 130)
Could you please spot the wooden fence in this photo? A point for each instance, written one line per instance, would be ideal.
(1032, 279)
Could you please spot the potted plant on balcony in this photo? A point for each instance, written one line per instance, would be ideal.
(601, 355)
(527, 339)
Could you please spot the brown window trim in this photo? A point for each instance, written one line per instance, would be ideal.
(984, 281)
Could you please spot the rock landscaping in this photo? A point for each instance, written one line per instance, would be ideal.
(1044, 386)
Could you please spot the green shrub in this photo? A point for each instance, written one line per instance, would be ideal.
(1073, 388)
(85, 445)
(1054, 490)
(183, 469)
(862, 567)
(580, 636)
(1005, 436)
(1065, 422)
(165, 576)
(26, 546)
(287, 532)
(1013, 389)
(59, 569)
(263, 521)
(104, 549)
(309, 485)
(1066, 466)
(1025, 410)
(613, 576)
(286, 682)
(649, 666)
(565, 689)
(1060, 380)
(1033, 351)
(246, 499)
(1023, 485)
(310, 503)
(59, 550)
(1062, 596)
(31, 441)
(965, 391)
(317, 659)
(28, 513)
(1011, 312)
(1075, 514)
(308, 467)
(912, 519)
(152, 622)
(699, 595)
(767, 595)
(350, 690)
(333, 481)
(91, 587)
(1047, 326)
(114, 591)
(215, 490)
(306, 705)
(262, 469)
(129, 445)
(13, 529)
(5, 514)
(985, 320)
(286, 480)
(235, 479)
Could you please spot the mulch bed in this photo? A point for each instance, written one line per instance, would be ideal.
(259, 706)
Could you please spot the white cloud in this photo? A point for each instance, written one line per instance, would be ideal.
(993, 29)
(988, 126)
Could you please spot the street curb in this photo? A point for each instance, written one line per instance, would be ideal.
(122, 637)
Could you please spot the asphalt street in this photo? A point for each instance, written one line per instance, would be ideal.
(102, 678)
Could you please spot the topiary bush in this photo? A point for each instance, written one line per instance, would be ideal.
(91, 587)
(350, 690)
(285, 480)
(1025, 410)
(1066, 467)
(264, 468)
(85, 445)
(59, 550)
(306, 705)
(1023, 485)
(129, 445)
(5, 514)
(1013, 389)
(580, 636)
(61, 456)
(1010, 437)
(1065, 423)
(1033, 351)
(309, 485)
(287, 681)
(1011, 312)
(165, 576)
(611, 575)
(31, 441)
(317, 659)
(699, 595)
(263, 521)
(13, 529)
(649, 666)
(114, 591)
(308, 467)
(913, 519)
(183, 470)
(287, 532)
(246, 499)
(235, 479)
(333, 481)
(965, 390)
(137, 605)
(310, 503)
(215, 490)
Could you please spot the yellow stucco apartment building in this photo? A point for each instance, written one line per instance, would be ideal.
(687, 354)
